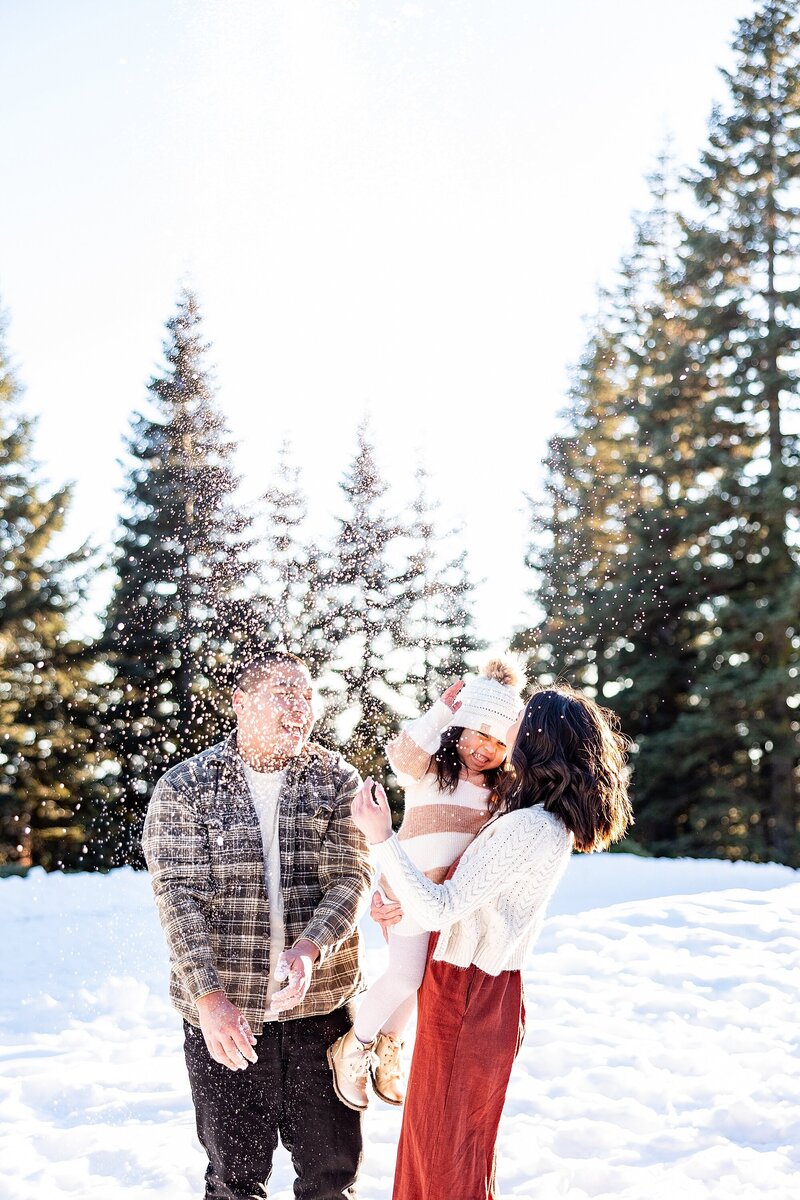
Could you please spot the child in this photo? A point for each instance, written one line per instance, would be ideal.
(448, 762)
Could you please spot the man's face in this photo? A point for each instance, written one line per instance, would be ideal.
(275, 714)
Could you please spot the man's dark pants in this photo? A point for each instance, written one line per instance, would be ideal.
(288, 1093)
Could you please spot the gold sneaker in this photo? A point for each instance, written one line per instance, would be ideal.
(388, 1077)
(351, 1063)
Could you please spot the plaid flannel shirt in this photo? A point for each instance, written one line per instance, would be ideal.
(202, 842)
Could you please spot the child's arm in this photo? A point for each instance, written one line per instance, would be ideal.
(410, 752)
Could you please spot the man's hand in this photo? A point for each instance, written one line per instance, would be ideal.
(386, 913)
(295, 966)
(228, 1037)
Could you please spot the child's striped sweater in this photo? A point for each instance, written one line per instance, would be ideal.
(437, 826)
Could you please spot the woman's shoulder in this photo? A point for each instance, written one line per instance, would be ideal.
(533, 820)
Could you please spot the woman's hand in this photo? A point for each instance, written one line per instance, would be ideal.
(449, 697)
(370, 812)
(386, 913)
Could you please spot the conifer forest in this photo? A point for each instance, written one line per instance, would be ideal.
(663, 557)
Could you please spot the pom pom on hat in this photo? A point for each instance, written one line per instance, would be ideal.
(490, 701)
(504, 670)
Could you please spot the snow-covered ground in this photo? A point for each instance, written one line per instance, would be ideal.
(661, 1060)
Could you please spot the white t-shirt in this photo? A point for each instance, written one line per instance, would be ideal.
(265, 788)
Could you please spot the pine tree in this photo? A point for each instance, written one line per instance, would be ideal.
(294, 603)
(180, 608)
(459, 643)
(579, 528)
(741, 258)
(439, 629)
(584, 550)
(47, 700)
(368, 586)
(675, 591)
(647, 627)
(654, 665)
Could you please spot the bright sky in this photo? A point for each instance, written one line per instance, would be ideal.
(400, 209)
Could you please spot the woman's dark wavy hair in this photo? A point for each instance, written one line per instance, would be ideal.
(448, 766)
(570, 756)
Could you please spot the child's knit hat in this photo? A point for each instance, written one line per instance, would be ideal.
(490, 701)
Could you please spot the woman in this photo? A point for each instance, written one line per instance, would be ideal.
(567, 787)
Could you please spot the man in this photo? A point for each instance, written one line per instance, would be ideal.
(260, 876)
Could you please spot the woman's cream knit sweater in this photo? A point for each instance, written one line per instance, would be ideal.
(492, 909)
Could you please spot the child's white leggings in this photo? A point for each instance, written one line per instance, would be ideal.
(389, 1003)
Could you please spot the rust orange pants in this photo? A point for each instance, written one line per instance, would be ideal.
(469, 1031)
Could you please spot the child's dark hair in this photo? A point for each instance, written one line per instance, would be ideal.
(570, 756)
(448, 766)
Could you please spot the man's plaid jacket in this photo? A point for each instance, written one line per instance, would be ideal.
(202, 843)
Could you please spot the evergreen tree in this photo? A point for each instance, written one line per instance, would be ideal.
(458, 643)
(653, 667)
(698, 644)
(741, 258)
(593, 528)
(47, 700)
(439, 629)
(626, 565)
(579, 528)
(180, 609)
(295, 604)
(369, 594)
(625, 575)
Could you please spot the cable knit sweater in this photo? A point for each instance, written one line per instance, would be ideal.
(491, 911)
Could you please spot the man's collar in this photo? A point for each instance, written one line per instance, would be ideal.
(227, 753)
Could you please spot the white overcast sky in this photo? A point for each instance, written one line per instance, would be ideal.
(400, 209)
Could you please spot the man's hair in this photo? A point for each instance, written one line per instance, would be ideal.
(255, 670)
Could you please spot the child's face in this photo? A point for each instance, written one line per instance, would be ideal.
(478, 752)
